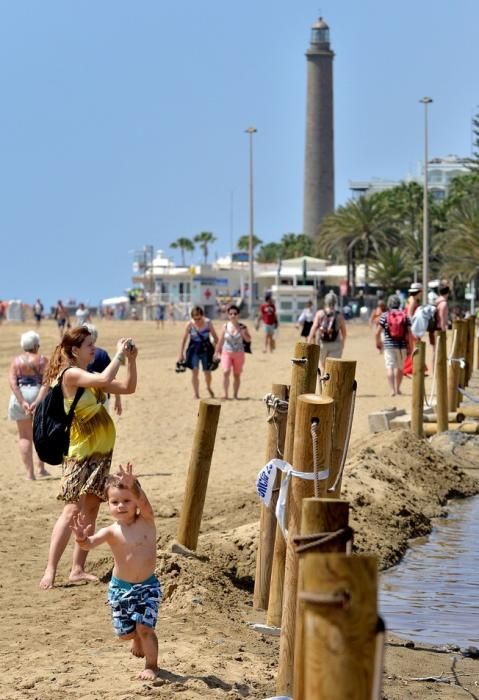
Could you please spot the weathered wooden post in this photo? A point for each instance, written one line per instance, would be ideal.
(455, 377)
(471, 333)
(198, 473)
(324, 528)
(441, 380)
(303, 381)
(310, 455)
(340, 626)
(267, 523)
(340, 386)
(418, 364)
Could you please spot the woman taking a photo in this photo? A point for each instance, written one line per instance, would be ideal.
(200, 349)
(92, 437)
(231, 348)
(25, 377)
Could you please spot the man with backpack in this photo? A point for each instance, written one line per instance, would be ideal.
(330, 325)
(397, 344)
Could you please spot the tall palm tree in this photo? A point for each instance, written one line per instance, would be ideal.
(295, 245)
(183, 244)
(391, 270)
(243, 243)
(462, 253)
(204, 239)
(357, 229)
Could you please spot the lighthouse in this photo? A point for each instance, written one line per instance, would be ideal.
(319, 152)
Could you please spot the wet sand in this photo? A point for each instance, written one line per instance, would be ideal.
(59, 644)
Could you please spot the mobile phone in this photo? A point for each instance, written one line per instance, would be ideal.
(130, 345)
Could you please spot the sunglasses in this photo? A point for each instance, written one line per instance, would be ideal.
(232, 313)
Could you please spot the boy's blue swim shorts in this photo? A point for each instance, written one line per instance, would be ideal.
(133, 603)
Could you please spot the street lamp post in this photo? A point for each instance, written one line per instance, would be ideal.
(251, 130)
(425, 236)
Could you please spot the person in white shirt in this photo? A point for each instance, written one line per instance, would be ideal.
(305, 319)
(82, 315)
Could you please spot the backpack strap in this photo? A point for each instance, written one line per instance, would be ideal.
(76, 398)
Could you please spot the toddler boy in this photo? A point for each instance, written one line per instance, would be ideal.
(134, 593)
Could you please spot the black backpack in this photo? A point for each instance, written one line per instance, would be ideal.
(328, 328)
(51, 425)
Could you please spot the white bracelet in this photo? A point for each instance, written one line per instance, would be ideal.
(120, 357)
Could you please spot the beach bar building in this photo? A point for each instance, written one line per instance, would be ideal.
(292, 282)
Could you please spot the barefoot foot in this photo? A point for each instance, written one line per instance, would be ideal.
(43, 472)
(80, 576)
(148, 674)
(211, 393)
(47, 579)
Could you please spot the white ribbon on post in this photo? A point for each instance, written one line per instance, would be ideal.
(266, 479)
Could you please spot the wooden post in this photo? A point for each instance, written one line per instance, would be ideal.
(198, 473)
(340, 624)
(471, 332)
(440, 359)
(418, 364)
(471, 411)
(310, 408)
(318, 516)
(452, 417)
(455, 377)
(267, 522)
(303, 381)
(341, 387)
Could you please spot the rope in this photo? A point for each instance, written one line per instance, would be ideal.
(340, 598)
(472, 398)
(278, 406)
(453, 345)
(346, 442)
(304, 543)
(314, 440)
(433, 381)
(299, 360)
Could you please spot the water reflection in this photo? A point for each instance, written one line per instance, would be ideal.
(433, 594)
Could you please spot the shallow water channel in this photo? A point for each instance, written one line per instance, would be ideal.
(433, 594)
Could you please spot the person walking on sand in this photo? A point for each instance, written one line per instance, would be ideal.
(267, 315)
(231, 349)
(61, 317)
(25, 378)
(92, 438)
(396, 343)
(37, 312)
(329, 323)
(134, 593)
(200, 348)
(305, 320)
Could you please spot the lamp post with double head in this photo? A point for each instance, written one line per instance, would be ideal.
(251, 130)
(425, 236)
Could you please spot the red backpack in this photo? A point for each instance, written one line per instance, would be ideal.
(397, 324)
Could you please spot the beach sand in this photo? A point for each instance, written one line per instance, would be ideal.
(58, 644)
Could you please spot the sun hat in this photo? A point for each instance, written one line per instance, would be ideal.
(415, 288)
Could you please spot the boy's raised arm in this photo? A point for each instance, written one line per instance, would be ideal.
(80, 530)
(131, 483)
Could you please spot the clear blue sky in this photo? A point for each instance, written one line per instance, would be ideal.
(122, 123)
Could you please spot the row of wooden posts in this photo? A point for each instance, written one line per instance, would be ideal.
(317, 596)
(450, 373)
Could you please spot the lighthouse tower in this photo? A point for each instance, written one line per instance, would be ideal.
(319, 155)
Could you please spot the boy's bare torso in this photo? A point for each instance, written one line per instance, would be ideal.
(134, 549)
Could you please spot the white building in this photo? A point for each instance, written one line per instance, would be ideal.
(293, 283)
(440, 173)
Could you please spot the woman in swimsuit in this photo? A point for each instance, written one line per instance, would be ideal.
(25, 377)
(200, 349)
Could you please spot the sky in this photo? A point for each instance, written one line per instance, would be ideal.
(122, 122)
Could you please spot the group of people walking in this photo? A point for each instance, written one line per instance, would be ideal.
(393, 329)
